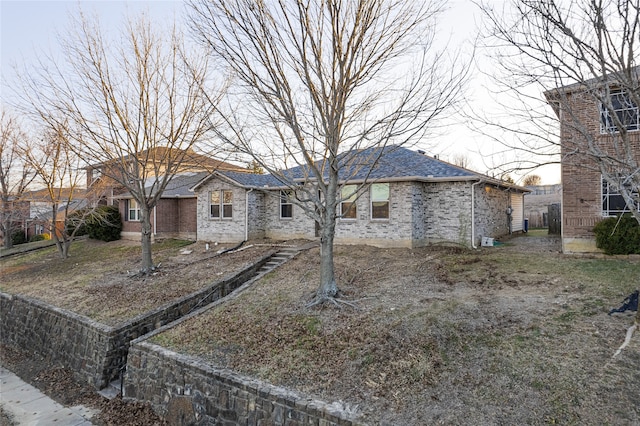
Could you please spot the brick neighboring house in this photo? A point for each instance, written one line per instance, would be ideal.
(174, 216)
(586, 197)
(410, 200)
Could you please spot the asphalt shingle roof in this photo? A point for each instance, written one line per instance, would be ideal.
(391, 162)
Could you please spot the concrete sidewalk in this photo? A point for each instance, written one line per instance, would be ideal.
(28, 406)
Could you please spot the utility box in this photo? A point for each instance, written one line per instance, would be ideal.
(487, 242)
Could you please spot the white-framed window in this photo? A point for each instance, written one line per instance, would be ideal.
(380, 201)
(95, 174)
(221, 204)
(613, 203)
(624, 108)
(133, 210)
(286, 206)
(348, 208)
(39, 229)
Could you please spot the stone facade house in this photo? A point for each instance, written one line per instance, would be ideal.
(407, 199)
(586, 126)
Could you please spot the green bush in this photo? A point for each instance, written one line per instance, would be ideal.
(618, 235)
(76, 220)
(104, 223)
(39, 237)
(18, 237)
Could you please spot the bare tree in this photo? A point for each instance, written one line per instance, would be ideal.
(131, 106)
(318, 82)
(461, 160)
(532, 180)
(15, 176)
(58, 167)
(577, 53)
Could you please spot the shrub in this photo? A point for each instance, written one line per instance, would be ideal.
(104, 223)
(39, 237)
(18, 237)
(76, 220)
(618, 235)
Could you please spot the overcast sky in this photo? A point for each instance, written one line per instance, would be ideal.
(29, 27)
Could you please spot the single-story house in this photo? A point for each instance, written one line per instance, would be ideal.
(408, 199)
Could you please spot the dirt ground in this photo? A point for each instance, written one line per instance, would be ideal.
(513, 334)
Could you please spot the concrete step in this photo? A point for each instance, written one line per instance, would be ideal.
(112, 390)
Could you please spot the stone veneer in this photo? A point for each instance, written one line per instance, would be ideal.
(420, 213)
(96, 353)
(185, 391)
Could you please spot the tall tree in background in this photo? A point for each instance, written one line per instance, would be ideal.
(60, 169)
(575, 51)
(319, 81)
(532, 180)
(131, 104)
(15, 176)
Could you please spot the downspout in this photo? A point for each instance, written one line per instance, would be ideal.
(246, 215)
(155, 222)
(473, 214)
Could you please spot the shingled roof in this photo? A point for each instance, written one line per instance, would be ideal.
(391, 163)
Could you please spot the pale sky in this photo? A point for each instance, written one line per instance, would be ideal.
(29, 27)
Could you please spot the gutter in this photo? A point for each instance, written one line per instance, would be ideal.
(246, 215)
(473, 213)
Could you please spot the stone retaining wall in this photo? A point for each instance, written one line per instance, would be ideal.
(185, 391)
(95, 352)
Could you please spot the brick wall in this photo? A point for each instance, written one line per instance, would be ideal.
(166, 216)
(581, 178)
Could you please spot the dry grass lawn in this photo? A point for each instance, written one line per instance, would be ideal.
(99, 280)
(517, 334)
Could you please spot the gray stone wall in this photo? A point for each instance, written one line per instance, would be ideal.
(398, 231)
(299, 226)
(447, 212)
(185, 391)
(491, 217)
(223, 230)
(61, 336)
(419, 214)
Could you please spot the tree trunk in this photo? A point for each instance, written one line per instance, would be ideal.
(328, 287)
(8, 235)
(147, 260)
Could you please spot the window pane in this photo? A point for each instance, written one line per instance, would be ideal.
(227, 197)
(380, 210)
(623, 109)
(348, 210)
(227, 210)
(286, 210)
(380, 192)
(215, 197)
(215, 210)
(348, 192)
